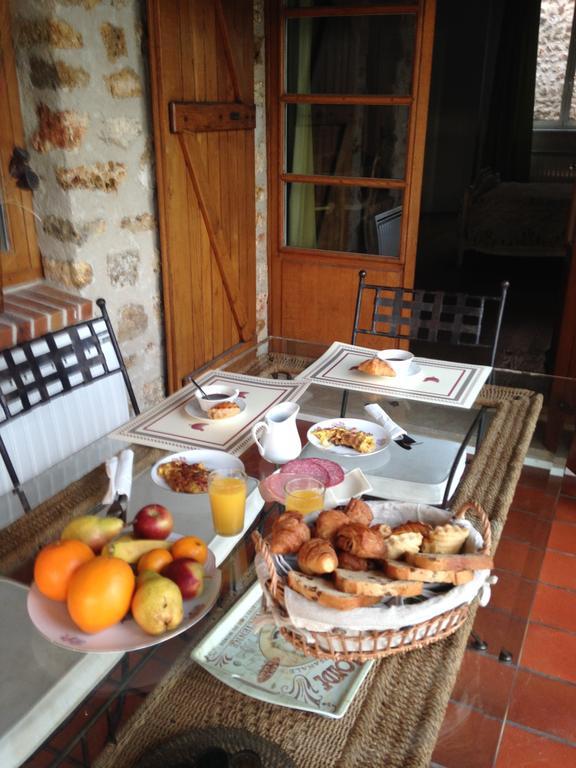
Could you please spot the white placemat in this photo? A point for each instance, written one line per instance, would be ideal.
(438, 381)
(168, 425)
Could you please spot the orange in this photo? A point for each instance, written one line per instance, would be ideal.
(99, 593)
(55, 564)
(154, 560)
(190, 546)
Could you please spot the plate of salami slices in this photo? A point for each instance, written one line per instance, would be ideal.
(340, 486)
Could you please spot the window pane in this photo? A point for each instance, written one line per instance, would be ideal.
(338, 218)
(350, 54)
(553, 44)
(346, 140)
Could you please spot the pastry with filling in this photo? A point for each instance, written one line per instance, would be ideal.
(376, 367)
(445, 539)
(224, 410)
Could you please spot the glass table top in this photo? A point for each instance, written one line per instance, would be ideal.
(101, 682)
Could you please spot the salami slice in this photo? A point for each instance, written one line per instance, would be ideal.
(334, 470)
(306, 468)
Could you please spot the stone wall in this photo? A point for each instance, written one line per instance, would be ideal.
(553, 43)
(86, 107)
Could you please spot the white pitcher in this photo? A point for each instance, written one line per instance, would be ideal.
(279, 433)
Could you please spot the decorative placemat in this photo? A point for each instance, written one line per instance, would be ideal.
(432, 381)
(395, 717)
(169, 425)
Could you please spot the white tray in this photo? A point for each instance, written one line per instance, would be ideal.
(262, 665)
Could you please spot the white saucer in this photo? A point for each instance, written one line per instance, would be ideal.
(412, 373)
(193, 409)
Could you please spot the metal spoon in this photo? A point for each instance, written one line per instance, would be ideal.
(213, 396)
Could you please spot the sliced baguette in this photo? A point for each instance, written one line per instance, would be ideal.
(374, 583)
(321, 591)
(438, 562)
(397, 569)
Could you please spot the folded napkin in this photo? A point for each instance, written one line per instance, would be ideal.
(119, 471)
(393, 430)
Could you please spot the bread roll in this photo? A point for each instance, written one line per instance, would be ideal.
(317, 557)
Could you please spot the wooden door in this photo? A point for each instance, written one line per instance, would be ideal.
(347, 95)
(201, 58)
(20, 260)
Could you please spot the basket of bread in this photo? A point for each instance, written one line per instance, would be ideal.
(372, 579)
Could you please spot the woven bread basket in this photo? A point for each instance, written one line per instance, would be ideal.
(341, 644)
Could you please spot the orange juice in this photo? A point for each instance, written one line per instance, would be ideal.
(227, 493)
(304, 495)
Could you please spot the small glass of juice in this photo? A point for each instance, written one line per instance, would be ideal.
(304, 495)
(227, 494)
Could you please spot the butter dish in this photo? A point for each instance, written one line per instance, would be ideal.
(355, 484)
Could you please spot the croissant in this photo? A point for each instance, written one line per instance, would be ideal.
(316, 557)
(352, 563)
(329, 522)
(361, 541)
(376, 367)
(358, 511)
(289, 532)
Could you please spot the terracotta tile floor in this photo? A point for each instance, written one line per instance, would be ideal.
(522, 714)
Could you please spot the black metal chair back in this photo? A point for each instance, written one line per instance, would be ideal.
(34, 372)
(437, 317)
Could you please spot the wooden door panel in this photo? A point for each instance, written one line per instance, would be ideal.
(310, 300)
(201, 62)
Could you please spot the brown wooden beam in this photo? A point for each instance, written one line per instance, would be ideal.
(192, 117)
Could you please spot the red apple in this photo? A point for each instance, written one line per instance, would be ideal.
(153, 522)
(187, 574)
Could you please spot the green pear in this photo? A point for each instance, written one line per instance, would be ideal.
(131, 550)
(93, 530)
(157, 605)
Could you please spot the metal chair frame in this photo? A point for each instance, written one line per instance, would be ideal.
(47, 367)
(413, 314)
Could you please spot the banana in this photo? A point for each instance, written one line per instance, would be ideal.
(131, 550)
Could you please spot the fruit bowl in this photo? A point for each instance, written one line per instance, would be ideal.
(53, 621)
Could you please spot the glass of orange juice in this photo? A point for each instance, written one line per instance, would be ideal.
(227, 494)
(304, 495)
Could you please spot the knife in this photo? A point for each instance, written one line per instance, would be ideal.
(123, 483)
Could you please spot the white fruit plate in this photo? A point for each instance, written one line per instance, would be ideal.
(53, 621)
